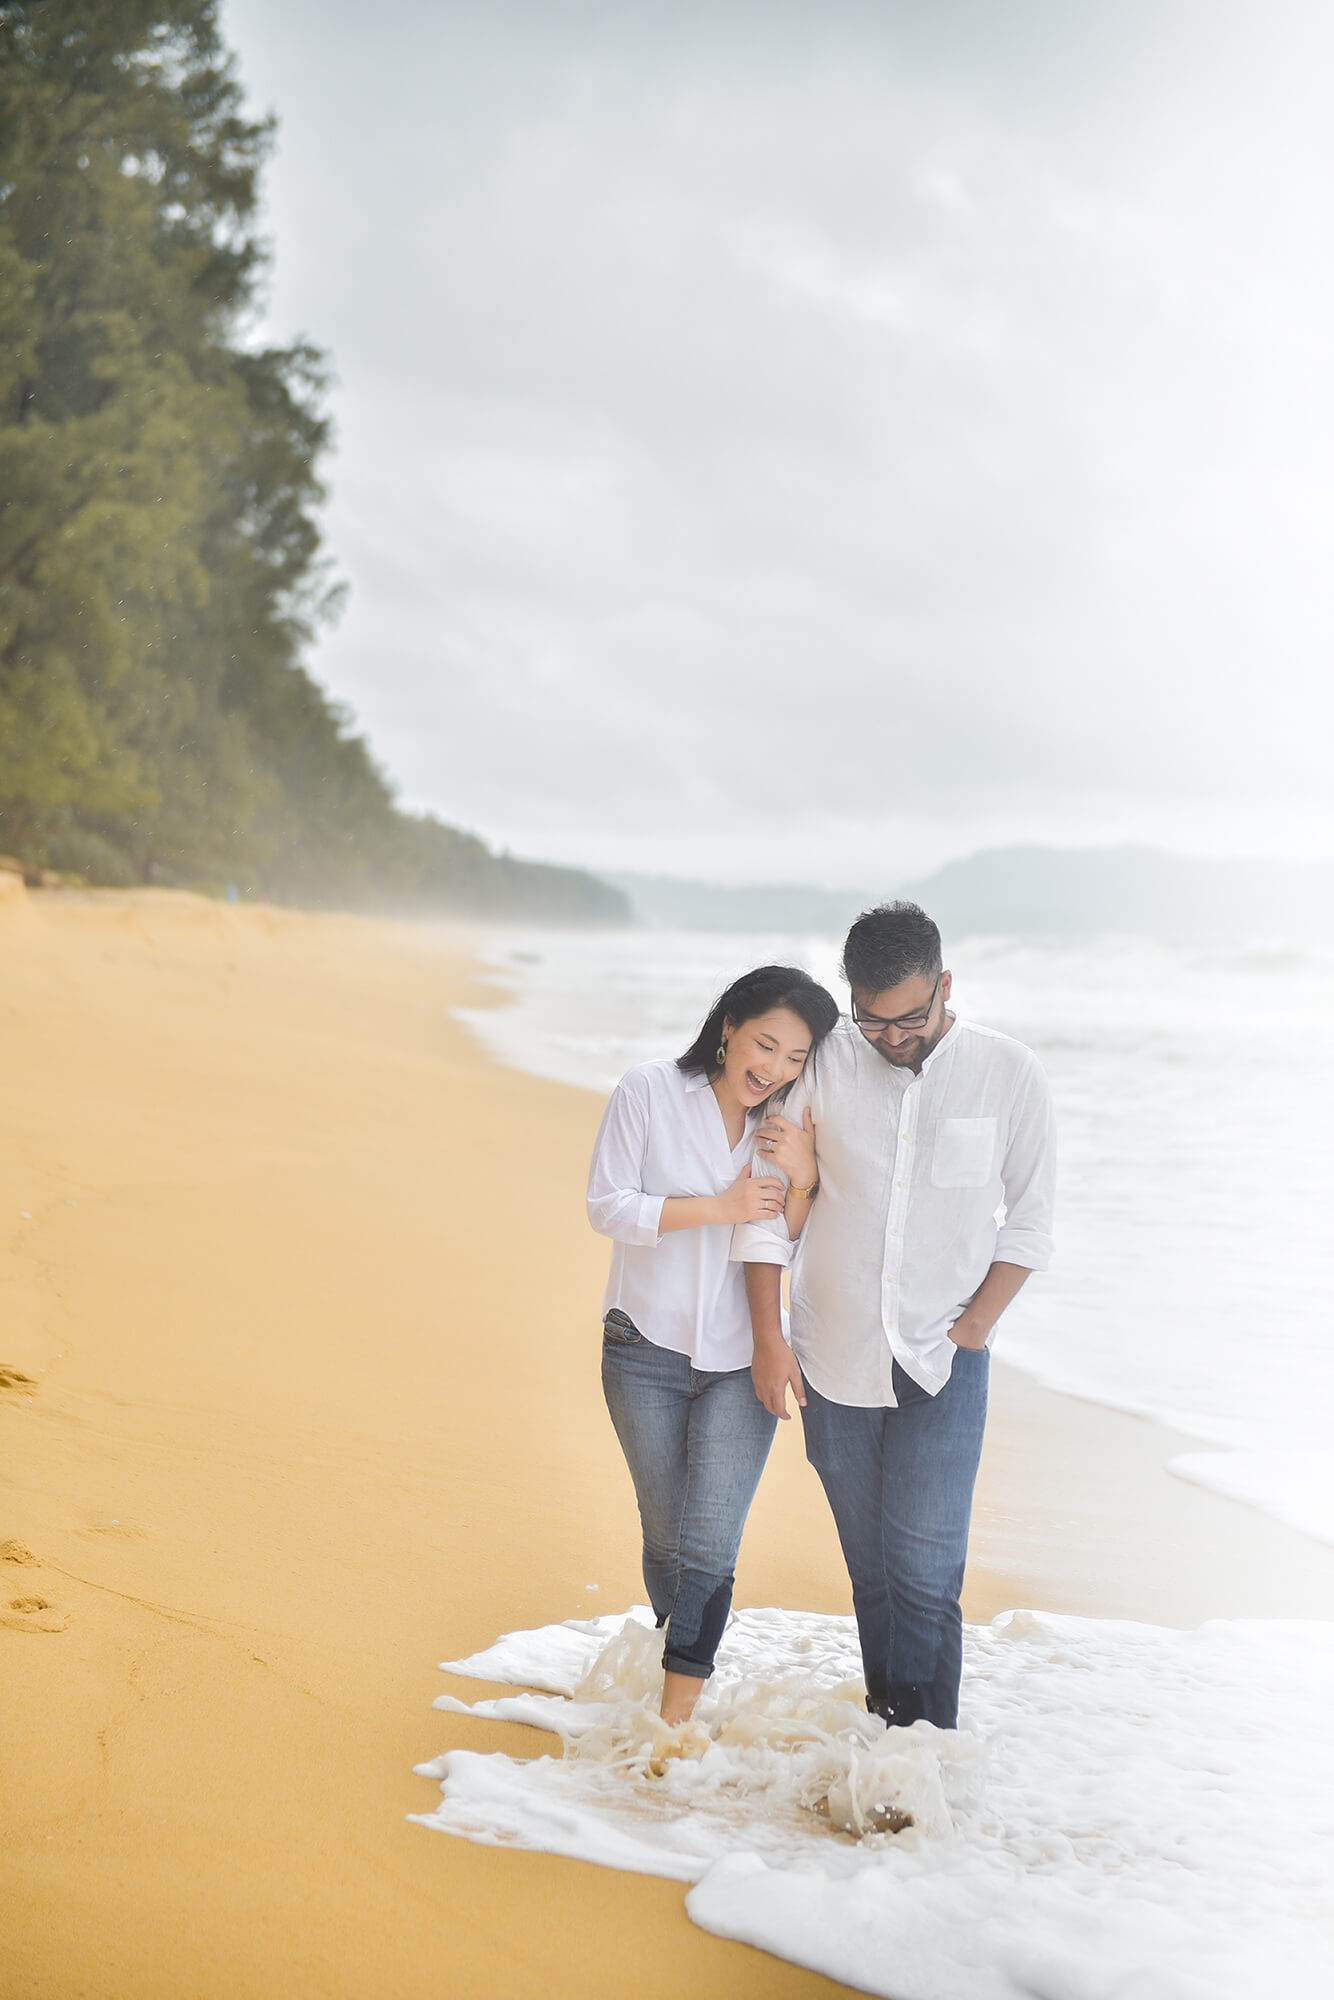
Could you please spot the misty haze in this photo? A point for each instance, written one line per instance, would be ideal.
(667, 930)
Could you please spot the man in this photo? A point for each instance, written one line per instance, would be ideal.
(936, 1168)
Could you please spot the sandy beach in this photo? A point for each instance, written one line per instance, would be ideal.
(299, 1367)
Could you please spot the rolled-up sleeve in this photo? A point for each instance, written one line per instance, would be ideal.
(762, 1243)
(617, 1204)
(769, 1242)
(1029, 1177)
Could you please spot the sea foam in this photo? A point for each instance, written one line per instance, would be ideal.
(1125, 1813)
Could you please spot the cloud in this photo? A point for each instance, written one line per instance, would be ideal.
(769, 431)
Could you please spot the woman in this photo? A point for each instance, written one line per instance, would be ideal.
(670, 1178)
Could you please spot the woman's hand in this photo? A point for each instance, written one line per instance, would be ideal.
(750, 1200)
(789, 1146)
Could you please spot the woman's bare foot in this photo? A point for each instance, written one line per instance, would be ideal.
(680, 1692)
(686, 1741)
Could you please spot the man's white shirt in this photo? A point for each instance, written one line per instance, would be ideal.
(925, 1182)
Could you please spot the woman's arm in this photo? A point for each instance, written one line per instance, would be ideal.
(617, 1204)
(747, 1200)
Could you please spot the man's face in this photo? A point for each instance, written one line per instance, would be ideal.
(904, 1023)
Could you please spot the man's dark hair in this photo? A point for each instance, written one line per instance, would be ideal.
(888, 945)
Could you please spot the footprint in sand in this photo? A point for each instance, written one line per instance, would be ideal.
(14, 1378)
(119, 1531)
(32, 1614)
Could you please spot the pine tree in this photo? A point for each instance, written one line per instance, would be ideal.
(160, 562)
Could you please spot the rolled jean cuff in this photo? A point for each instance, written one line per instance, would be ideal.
(674, 1664)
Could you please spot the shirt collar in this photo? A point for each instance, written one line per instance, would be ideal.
(946, 1041)
(699, 1082)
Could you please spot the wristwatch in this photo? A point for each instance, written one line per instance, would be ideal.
(806, 1193)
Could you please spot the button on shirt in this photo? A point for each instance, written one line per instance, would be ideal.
(663, 1134)
(925, 1182)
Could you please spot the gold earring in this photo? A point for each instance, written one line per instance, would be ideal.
(722, 1053)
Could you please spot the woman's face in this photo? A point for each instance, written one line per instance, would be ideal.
(763, 1054)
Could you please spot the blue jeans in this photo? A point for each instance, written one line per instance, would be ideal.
(695, 1441)
(900, 1483)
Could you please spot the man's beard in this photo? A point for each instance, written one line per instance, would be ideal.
(906, 1056)
(911, 1055)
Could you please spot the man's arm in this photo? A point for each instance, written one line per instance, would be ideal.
(765, 1248)
(773, 1367)
(1024, 1240)
(771, 1240)
(1028, 1175)
(1001, 1284)
(787, 1147)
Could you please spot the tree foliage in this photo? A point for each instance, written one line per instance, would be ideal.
(160, 559)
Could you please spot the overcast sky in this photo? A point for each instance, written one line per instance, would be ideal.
(813, 441)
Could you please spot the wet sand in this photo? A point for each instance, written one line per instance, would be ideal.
(299, 1353)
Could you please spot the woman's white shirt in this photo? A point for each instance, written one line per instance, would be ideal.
(663, 1134)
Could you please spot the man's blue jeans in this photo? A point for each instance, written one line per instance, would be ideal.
(695, 1441)
(900, 1483)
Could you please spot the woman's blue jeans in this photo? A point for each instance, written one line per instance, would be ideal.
(900, 1483)
(695, 1441)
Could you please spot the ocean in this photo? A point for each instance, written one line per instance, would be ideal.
(1126, 1812)
(1195, 1093)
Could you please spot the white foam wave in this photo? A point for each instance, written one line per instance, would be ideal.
(1127, 1812)
(1295, 1487)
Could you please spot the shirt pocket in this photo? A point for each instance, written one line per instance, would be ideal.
(965, 1149)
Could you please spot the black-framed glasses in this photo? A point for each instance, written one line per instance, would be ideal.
(874, 1024)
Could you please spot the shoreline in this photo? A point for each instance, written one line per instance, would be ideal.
(1231, 1557)
(274, 1229)
(1173, 1553)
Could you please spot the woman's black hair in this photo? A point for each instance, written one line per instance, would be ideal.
(756, 993)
